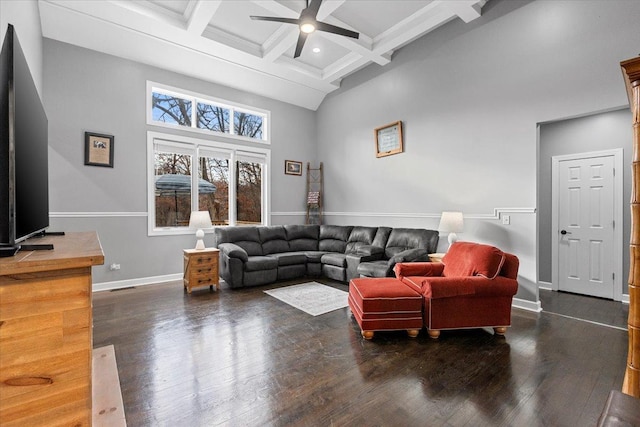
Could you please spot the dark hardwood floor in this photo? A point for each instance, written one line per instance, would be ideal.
(243, 358)
(592, 309)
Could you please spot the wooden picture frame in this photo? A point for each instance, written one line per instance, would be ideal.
(389, 139)
(98, 149)
(291, 167)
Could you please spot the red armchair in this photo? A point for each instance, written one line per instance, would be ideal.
(472, 287)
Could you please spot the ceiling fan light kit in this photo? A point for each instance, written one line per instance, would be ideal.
(308, 24)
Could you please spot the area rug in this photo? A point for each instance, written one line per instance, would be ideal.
(313, 298)
(108, 409)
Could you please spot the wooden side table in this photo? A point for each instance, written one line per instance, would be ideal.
(436, 257)
(201, 268)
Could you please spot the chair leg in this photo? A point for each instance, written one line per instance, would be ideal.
(367, 335)
(412, 333)
(500, 330)
(433, 333)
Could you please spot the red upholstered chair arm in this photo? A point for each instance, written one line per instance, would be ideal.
(418, 269)
(448, 287)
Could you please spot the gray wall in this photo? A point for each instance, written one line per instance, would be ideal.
(89, 91)
(25, 17)
(597, 132)
(470, 97)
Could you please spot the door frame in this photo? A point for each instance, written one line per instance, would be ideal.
(617, 154)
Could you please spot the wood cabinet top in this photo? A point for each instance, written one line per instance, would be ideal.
(74, 250)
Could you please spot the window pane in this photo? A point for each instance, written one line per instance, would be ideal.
(213, 117)
(249, 193)
(171, 109)
(213, 190)
(172, 189)
(246, 124)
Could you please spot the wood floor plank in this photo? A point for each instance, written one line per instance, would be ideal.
(241, 357)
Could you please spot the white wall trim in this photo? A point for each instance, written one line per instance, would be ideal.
(95, 214)
(496, 215)
(522, 304)
(141, 281)
(547, 286)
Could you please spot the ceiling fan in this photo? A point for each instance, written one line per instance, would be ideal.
(308, 24)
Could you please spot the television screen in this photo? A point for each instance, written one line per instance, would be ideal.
(24, 187)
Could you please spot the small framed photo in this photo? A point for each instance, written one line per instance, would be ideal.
(389, 139)
(98, 149)
(291, 167)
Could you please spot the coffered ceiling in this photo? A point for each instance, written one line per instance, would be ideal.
(215, 40)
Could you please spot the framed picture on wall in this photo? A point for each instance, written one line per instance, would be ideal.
(98, 149)
(389, 139)
(291, 167)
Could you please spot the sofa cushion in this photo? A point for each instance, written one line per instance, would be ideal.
(360, 236)
(333, 238)
(314, 256)
(472, 259)
(290, 258)
(338, 260)
(378, 268)
(274, 239)
(257, 263)
(302, 237)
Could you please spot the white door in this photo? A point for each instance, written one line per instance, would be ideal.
(586, 226)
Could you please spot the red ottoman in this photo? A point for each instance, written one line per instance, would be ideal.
(385, 304)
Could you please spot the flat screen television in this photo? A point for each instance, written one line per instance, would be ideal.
(24, 145)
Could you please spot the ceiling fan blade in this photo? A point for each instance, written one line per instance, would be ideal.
(328, 28)
(313, 7)
(301, 39)
(276, 19)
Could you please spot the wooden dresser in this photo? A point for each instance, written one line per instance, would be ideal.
(46, 332)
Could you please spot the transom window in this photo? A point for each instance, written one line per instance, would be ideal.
(172, 107)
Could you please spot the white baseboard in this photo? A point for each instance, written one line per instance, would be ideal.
(547, 286)
(120, 284)
(534, 306)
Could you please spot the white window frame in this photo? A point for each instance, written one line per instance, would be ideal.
(194, 146)
(194, 98)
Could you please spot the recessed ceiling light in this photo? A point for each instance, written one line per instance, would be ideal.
(316, 50)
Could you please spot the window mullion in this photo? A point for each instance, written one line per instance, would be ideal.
(233, 183)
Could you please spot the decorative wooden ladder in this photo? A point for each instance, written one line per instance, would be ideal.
(314, 194)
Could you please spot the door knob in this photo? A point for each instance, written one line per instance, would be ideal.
(563, 232)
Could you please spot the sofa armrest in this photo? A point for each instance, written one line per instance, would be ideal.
(233, 251)
(448, 287)
(370, 251)
(355, 258)
(410, 255)
(418, 269)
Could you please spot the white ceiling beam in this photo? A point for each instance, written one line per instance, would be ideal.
(466, 10)
(277, 8)
(201, 15)
(279, 42)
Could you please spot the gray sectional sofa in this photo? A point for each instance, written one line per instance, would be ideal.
(257, 255)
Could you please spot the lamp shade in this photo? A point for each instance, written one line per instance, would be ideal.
(198, 221)
(452, 223)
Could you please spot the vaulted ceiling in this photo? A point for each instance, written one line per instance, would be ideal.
(215, 40)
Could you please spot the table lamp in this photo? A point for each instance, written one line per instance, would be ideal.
(452, 223)
(198, 221)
